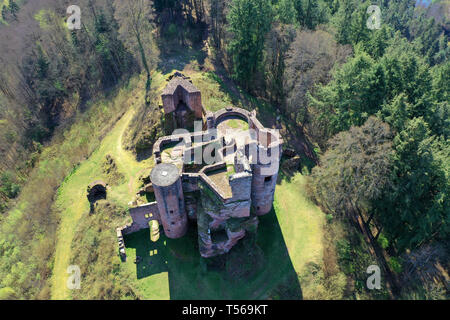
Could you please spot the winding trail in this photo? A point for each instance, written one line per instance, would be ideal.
(72, 202)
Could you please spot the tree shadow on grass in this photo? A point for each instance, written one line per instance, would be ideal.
(258, 267)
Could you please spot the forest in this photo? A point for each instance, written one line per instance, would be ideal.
(362, 95)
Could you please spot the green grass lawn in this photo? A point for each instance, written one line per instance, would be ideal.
(288, 238)
(237, 124)
(301, 222)
(214, 97)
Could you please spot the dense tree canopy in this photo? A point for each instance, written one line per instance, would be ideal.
(356, 92)
(249, 22)
(415, 208)
(356, 169)
(390, 76)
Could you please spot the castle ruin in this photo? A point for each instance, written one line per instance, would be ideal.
(219, 177)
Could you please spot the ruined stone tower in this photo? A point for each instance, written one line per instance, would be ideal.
(265, 174)
(182, 101)
(263, 189)
(225, 196)
(166, 180)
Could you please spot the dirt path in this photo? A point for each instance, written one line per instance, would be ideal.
(125, 159)
(72, 202)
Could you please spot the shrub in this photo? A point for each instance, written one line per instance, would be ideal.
(395, 264)
(7, 294)
(383, 241)
(95, 251)
(8, 185)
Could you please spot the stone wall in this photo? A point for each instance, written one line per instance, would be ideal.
(143, 214)
(122, 253)
(161, 142)
(241, 162)
(241, 185)
(216, 211)
(190, 182)
(215, 217)
(195, 194)
(199, 151)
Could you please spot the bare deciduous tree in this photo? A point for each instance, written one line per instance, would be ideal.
(136, 31)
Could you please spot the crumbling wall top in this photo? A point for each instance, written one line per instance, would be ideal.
(179, 81)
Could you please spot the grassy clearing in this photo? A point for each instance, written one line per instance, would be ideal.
(214, 97)
(30, 227)
(301, 222)
(151, 275)
(176, 271)
(237, 124)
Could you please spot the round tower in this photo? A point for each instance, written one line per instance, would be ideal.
(166, 180)
(265, 172)
(264, 181)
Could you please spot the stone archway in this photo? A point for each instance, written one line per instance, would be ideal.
(96, 191)
(230, 114)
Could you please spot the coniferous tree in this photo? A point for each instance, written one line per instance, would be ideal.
(286, 11)
(378, 41)
(13, 8)
(249, 22)
(4, 12)
(416, 208)
(356, 92)
(341, 21)
(310, 13)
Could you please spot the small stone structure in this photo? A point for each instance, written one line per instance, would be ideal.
(96, 191)
(121, 242)
(226, 196)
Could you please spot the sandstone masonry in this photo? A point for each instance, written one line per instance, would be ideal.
(224, 196)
